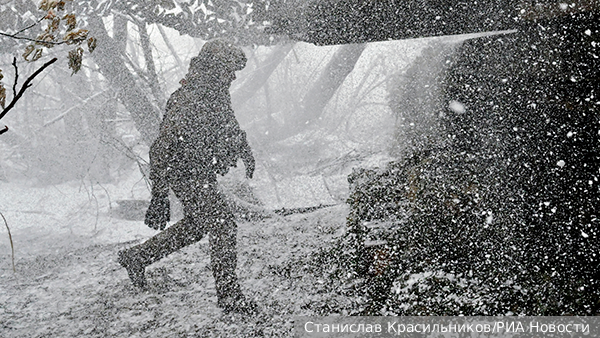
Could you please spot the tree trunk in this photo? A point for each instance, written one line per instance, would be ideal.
(260, 76)
(108, 56)
(150, 67)
(321, 92)
(104, 127)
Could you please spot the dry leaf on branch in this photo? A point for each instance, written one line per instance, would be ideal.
(37, 54)
(76, 37)
(53, 26)
(75, 59)
(91, 42)
(28, 50)
(71, 21)
(46, 40)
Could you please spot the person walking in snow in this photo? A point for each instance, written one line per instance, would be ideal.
(199, 138)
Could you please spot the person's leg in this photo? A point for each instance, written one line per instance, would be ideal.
(223, 252)
(175, 237)
(187, 231)
(223, 255)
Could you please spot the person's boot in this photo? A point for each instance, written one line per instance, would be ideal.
(135, 267)
(237, 304)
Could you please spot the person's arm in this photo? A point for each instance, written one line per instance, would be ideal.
(246, 155)
(239, 141)
(161, 154)
(244, 150)
(159, 211)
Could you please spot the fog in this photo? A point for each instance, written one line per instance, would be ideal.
(57, 133)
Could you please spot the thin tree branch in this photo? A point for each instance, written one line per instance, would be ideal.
(33, 40)
(65, 113)
(170, 46)
(28, 27)
(24, 87)
(12, 247)
(14, 63)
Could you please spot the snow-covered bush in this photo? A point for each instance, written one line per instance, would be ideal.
(492, 210)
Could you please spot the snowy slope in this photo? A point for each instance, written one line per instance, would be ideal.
(68, 284)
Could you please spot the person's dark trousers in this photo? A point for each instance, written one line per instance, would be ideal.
(206, 212)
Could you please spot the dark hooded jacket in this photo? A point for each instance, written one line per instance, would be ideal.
(199, 135)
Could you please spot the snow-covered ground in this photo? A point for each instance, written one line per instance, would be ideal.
(68, 284)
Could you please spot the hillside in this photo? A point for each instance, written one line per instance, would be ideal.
(69, 285)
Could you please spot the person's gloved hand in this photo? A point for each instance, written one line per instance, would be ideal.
(159, 212)
(249, 163)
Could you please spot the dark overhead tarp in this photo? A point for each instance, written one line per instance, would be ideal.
(327, 22)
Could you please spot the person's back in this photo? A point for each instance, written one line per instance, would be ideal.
(199, 134)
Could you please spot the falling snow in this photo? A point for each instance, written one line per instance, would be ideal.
(410, 160)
